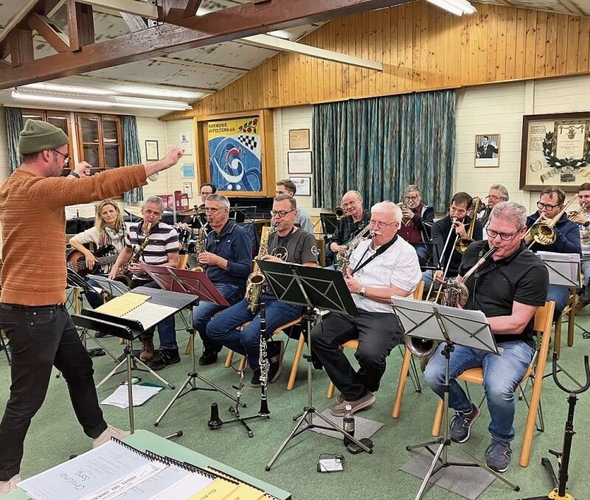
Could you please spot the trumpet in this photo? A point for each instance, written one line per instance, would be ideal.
(405, 206)
(542, 231)
(339, 212)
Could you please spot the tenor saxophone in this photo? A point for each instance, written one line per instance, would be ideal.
(124, 275)
(200, 248)
(256, 279)
(350, 247)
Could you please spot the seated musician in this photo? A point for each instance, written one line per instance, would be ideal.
(446, 232)
(567, 237)
(417, 222)
(582, 218)
(380, 267)
(511, 285)
(287, 244)
(108, 230)
(227, 260)
(496, 194)
(161, 248)
(302, 220)
(348, 226)
(200, 218)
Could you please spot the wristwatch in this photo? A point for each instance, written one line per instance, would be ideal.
(363, 292)
(75, 174)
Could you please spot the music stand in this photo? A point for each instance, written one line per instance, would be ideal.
(201, 288)
(315, 289)
(159, 306)
(112, 287)
(329, 223)
(453, 326)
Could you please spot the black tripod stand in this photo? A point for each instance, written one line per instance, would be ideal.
(559, 491)
(310, 287)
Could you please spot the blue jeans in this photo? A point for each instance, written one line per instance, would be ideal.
(166, 327)
(586, 272)
(203, 313)
(40, 338)
(223, 328)
(501, 375)
(559, 295)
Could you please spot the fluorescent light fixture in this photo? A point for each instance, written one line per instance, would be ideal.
(55, 87)
(280, 34)
(457, 7)
(157, 92)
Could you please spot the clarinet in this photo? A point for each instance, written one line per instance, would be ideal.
(264, 364)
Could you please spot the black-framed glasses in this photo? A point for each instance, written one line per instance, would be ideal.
(280, 213)
(503, 236)
(65, 155)
(381, 225)
(546, 206)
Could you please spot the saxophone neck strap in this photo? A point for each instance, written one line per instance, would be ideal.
(378, 252)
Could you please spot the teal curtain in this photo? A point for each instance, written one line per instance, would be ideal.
(14, 124)
(379, 146)
(131, 154)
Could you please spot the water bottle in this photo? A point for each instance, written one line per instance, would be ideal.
(348, 424)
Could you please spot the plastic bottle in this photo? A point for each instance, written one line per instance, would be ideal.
(348, 424)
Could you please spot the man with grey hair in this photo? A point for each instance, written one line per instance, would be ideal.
(302, 219)
(496, 194)
(508, 288)
(417, 222)
(379, 267)
(161, 249)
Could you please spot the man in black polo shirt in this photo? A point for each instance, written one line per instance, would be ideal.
(508, 288)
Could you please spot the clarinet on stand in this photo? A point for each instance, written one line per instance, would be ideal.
(264, 364)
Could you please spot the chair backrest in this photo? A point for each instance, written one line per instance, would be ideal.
(419, 291)
(543, 322)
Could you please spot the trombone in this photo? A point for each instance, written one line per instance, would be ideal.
(463, 243)
(431, 288)
(542, 231)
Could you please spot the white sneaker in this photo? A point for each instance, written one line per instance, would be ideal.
(9, 486)
(107, 434)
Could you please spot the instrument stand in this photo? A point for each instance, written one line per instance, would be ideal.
(453, 327)
(310, 287)
(215, 422)
(559, 491)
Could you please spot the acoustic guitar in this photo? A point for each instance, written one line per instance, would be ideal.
(76, 261)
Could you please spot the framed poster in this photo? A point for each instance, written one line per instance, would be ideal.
(487, 151)
(151, 151)
(555, 151)
(299, 162)
(303, 185)
(299, 138)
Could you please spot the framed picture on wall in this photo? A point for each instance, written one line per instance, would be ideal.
(151, 151)
(299, 162)
(555, 151)
(299, 138)
(303, 185)
(487, 151)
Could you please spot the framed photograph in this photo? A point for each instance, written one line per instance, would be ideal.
(555, 151)
(303, 185)
(299, 138)
(151, 151)
(487, 151)
(299, 162)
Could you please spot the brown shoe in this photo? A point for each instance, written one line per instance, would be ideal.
(147, 349)
(339, 409)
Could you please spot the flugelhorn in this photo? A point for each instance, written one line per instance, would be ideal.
(542, 231)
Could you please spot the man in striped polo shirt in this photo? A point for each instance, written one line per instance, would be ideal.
(161, 250)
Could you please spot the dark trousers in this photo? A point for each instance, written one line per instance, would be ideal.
(378, 334)
(40, 338)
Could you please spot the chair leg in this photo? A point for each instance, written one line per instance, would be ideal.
(189, 347)
(438, 416)
(571, 324)
(242, 365)
(228, 358)
(296, 360)
(557, 336)
(330, 393)
(401, 385)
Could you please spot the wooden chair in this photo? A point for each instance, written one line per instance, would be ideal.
(353, 344)
(569, 312)
(535, 371)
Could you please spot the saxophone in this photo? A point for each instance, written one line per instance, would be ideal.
(256, 279)
(350, 247)
(200, 248)
(124, 274)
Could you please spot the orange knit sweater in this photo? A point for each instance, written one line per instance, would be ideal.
(34, 225)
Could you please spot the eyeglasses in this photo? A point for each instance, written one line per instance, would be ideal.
(411, 197)
(503, 236)
(65, 155)
(281, 213)
(211, 209)
(546, 206)
(381, 225)
(494, 197)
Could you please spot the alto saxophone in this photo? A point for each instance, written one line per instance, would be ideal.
(256, 279)
(200, 248)
(124, 275)
(350, 247)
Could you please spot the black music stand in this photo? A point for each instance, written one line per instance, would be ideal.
(315, 289)
(201, 288)
(130, 329)
(453, 326)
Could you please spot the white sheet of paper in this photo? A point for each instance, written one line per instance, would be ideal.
(141, 393)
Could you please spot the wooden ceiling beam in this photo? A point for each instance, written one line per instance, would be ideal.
(80, 25)
(20, 42)
(192, 6)
(49, 31)
(216, 27)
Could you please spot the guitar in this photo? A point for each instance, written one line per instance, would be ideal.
(76, 261)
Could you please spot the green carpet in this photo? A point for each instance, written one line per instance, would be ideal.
(55, 435)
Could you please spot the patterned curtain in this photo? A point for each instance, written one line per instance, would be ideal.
(131, 154)
(379, 146)
(14, 124)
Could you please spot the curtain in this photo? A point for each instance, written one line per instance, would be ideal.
(131, 154)
(379, 146)
(14, 124)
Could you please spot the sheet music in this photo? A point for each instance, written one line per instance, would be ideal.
(150, 314)
(120, 306)
(564, 268)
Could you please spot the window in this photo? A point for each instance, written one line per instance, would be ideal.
(100, 141)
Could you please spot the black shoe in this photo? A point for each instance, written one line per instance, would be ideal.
(276, 350)
(255, 382)
(163, 358)
(208, 358)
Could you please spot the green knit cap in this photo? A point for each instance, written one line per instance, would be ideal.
(38, 136)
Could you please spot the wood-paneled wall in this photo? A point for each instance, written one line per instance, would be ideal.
(422, 48)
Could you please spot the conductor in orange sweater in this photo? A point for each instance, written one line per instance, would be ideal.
(40, 332)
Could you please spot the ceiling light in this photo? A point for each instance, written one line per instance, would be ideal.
(457, 7)
(157, 92)
(55, 87)
(280, 34)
